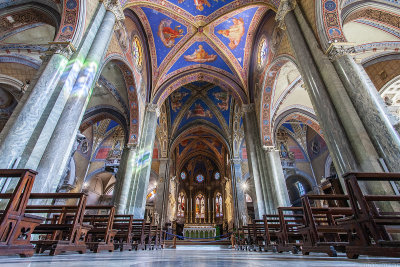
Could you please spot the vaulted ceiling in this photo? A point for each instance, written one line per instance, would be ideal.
(210, 34)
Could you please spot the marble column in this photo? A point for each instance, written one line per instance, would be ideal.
(37, 143)
(339, 146)
(368, 103)
(137, 203)
(239, 193)
(124, 178)
(364, 151)
(55, 156)
(19, 128)
(161, 198)
(275, 172)
(262, 204)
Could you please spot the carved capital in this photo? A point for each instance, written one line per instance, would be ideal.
(248, 107)
(115, 7)
(337, 50)
(285, 7)
(235, 160)
(269, 148)
(65, 49)
(153, 108)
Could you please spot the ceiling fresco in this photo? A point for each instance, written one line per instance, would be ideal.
(214, 35)
(202, 102)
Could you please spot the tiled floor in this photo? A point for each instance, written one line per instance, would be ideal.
(192, 256)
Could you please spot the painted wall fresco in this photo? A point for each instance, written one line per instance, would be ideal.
(166, 31)
(200, 7)
(200, 53)
(221, 100)
(199, 110)
(233, 32)
(177, 101)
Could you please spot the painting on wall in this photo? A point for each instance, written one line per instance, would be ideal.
(233, 31)
(221, 99)
(201, 7)
(199, 110)
(200, 53)
(200, 56)
(167, 32)
(177, 101)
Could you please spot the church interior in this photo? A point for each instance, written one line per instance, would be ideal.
(245, 132)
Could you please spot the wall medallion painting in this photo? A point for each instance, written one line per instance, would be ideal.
(233, 32)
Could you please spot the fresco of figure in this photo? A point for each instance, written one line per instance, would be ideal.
(200, 55)
(199, 111)
(234, 33)
(224, 98)
(167, 34)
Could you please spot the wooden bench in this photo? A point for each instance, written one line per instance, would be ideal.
(16, 227)
(291, 220)
(272, 227)
(374, 229)
(138, 237)
(101, 236)
(63, 228)
(258, 232)
(321, 232)
(123, 239)
(152, 233)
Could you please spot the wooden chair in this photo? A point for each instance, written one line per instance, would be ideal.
(16, 227)
(123, 239)
(63, 228)
(291, 220)
(321, 231)
(101, 236)
(374, 229)
(138, 236)
(272, 227)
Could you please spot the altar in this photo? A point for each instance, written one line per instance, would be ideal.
(199, 231)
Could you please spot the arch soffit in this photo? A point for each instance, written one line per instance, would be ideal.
(127, 72)
(199, 74)
(194, 154)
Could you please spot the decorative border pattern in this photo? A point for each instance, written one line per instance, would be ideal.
(69, 21)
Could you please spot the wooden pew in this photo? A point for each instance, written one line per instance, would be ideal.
(16, 227)
(272, 227)
(124, 225)
(258, 232)
(241, 238)
(138, 236)
(374, 230)
(291, 220)
(101, 236)
(63, 228)
(152, 233)
(321, 232)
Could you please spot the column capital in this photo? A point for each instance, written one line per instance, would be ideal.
(235, 160)
(115, 7)
(269, 148)
(284, 7)
(248, 107)
(337, 50)
(131, 146)
(153, 108)
(65, 49)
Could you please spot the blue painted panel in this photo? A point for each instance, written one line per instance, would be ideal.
(199, 110)
(233, 32)
(200, 7)
(221, 100)
(177, 100)
(166, 31)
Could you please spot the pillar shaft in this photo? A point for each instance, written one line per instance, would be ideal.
(370, 108)
(137, 203)
(240, 208)
(364, 151)
(335, 136)
(124, 178)
(48, 121)
(161, 198)
(55, 156)
(20, 127)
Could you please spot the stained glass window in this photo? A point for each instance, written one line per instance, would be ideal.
(200, 178)
(181, 205)
(137, 51)
(218, 205)
(200, 206)
(217, 176)
(301, 189)
(183, 175)
(262, 52)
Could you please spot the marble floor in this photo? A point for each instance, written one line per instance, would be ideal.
(192, 256)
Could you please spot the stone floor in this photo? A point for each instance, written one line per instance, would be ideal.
(192, 256)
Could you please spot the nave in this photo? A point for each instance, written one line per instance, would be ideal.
(194, 256)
